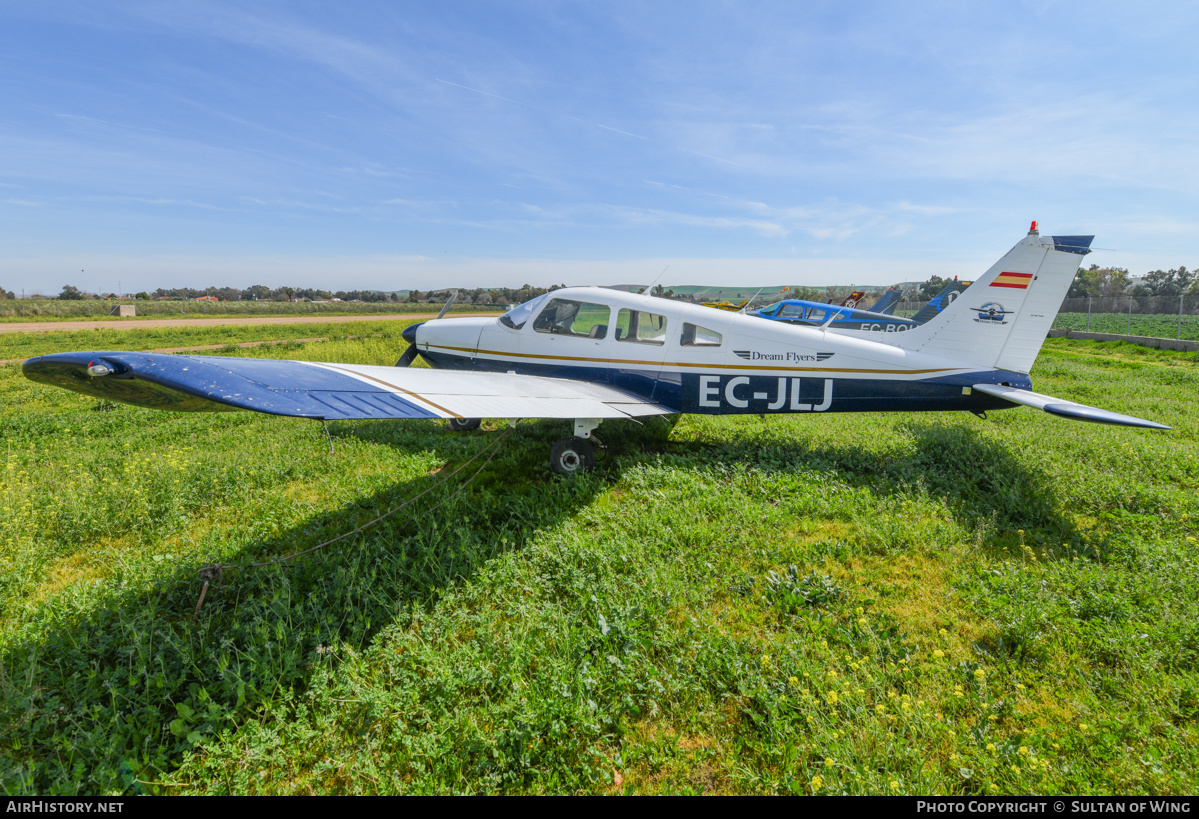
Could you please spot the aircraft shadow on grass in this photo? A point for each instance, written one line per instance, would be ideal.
(180, 678)
(980, 480)
(145, 671)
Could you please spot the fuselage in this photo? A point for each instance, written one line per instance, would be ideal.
(698, 360)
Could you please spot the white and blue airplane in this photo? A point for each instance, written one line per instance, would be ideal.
(590, 354)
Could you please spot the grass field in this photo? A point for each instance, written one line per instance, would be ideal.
(819, 604)
(1154, 326)
(27, 345)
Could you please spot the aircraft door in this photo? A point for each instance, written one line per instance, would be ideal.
(638, 351)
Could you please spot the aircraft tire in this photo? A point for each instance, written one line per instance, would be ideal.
(464, 424)
(572, 456)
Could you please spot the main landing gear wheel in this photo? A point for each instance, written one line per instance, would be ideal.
(464, 424)
(571, 456)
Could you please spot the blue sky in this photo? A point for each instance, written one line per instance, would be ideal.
(399, 145)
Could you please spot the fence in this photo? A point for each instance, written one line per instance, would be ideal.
(1155, 317)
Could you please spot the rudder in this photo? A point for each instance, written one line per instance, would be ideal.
(1003, 318)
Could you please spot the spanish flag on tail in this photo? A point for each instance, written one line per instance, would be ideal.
(1018, 281)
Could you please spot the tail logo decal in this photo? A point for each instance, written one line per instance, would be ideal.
(992, 313)
(1018, 281)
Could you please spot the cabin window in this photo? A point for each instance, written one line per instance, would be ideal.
(574, 318)
(696, 336)
(642, 327)
(817, 314)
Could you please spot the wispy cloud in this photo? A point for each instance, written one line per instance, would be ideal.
(768, 130)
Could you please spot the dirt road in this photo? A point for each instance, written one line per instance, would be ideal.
(138, 323)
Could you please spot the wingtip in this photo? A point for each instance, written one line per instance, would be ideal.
(1081, 412)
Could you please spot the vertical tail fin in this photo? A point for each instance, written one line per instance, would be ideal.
(887, 303)
(942, 300)
(1003, 318)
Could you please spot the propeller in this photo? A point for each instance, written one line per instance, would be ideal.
(448, 304)
(410, 334)
(409, 354)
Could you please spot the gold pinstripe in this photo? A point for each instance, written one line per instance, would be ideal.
(688, 364)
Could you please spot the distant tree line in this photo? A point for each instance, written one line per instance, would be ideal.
(1114, 282)
(1095, 282)
(260, 292)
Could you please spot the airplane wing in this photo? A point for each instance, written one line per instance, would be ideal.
(1066, 409)
(328, 391)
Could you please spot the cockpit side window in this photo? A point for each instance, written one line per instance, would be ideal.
(696, 336)
(574, 318)
(791, 311)
(639, 326)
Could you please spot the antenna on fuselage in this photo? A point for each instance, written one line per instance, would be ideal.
(750, 303)
(655, 281)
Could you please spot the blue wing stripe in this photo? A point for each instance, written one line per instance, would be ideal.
(207, 383)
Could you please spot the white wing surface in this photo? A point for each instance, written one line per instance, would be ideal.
(329, 391)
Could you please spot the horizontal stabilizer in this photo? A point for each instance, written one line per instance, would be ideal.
(1066, 409)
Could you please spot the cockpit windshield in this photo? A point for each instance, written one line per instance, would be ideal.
(517, 316)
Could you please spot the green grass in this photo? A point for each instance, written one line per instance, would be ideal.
(836, 604)
(26, 345)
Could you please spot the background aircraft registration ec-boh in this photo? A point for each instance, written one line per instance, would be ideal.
(847, 316)
(589, 354)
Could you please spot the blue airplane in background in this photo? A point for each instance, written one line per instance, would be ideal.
(847, 317)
